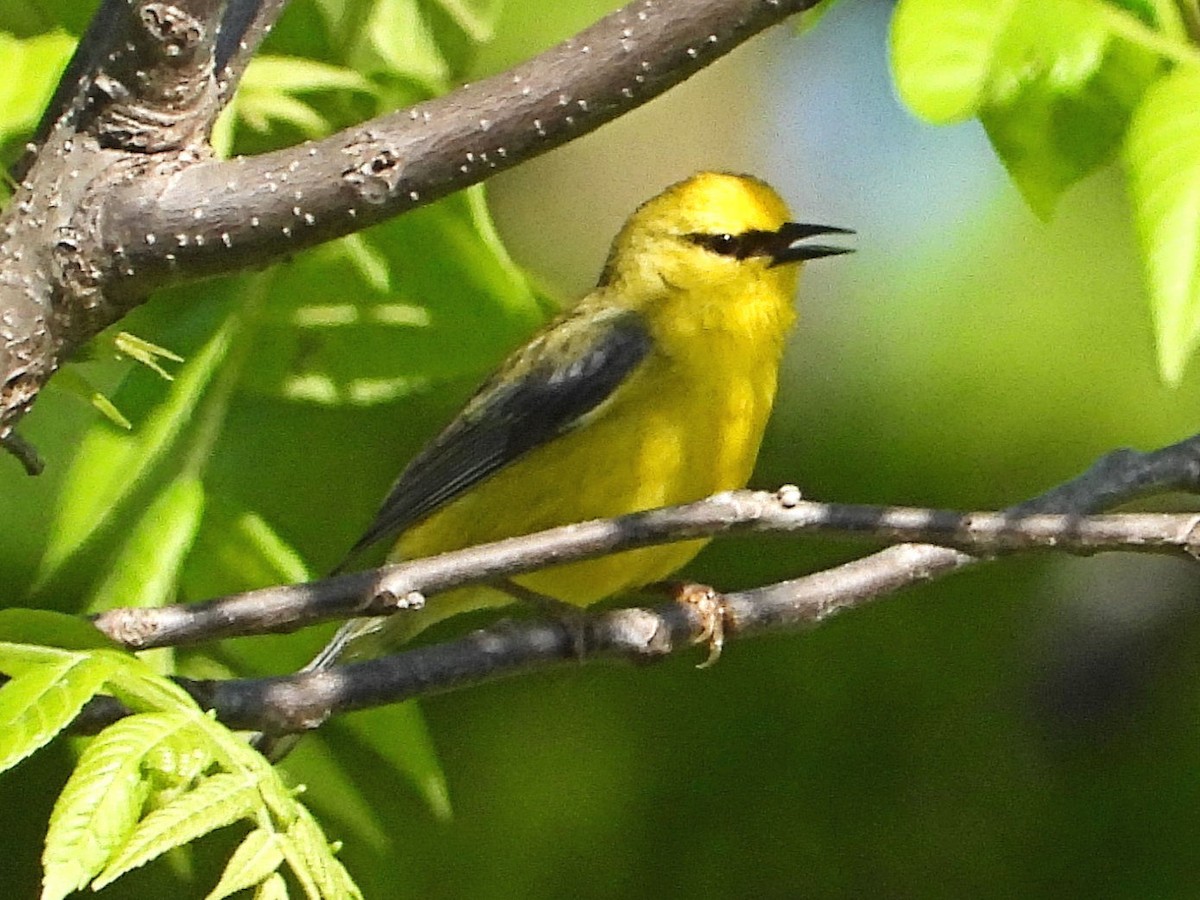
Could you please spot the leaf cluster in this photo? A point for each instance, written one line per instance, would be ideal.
(164, 776)
(1064, 88)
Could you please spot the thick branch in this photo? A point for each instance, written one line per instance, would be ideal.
(123, 197)
(224, 216)
(137, 101)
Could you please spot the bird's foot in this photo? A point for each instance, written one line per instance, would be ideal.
(709, 604)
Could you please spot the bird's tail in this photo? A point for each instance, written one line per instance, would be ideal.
(276, 746)
(350, 634)
(361, 639)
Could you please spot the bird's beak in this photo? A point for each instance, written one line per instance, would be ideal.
(788, 246)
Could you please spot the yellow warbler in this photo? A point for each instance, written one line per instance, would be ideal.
(654, 389)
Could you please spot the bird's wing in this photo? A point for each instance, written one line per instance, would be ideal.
(544, 390)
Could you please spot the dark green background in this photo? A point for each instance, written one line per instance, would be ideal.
(1025, 729)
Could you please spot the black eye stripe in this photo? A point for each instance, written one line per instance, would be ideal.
(737, 246)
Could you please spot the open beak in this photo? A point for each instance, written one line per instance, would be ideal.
(788, 245)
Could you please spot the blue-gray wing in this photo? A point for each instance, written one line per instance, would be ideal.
(543, 390)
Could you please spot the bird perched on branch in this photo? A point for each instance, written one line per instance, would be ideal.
(653, 390)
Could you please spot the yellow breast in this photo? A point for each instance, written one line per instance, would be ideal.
(687, 424)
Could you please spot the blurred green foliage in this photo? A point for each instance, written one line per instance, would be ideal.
(1060, 89)
(1027, 729)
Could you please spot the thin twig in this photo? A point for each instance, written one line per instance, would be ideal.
(382, 591)
(244, 25)
(303, 701)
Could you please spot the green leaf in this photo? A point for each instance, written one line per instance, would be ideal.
(477, 18)
(294, 75)
(238, 550)
(110, 465)
(32, 67)
(43, 626)
(1163, 158)
(255, 859)
(341, 335)
(280, 108)
(1055, 126)
(107, 409)
(102, 800)
(146, 570)
(178, 763)
(332, 790)
(16, 659)
(312, 861)
(29, 16)
(274, 888)
(401, 35)
(145, 352)
(41, 702)
(71, 380)
(141, 688)
(942, 73)
(1053, 84)
(267, 95)
(215, 802)
(372, 265)
(398, 734)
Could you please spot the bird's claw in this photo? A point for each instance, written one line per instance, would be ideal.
(710, 605)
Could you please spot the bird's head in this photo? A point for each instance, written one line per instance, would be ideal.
(714, 229)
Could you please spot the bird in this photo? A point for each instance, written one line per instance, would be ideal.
(653, 389)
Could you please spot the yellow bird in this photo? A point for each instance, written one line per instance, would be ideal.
(654, 389)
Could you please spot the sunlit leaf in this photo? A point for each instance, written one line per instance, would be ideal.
(31, 68)
(111, 464)
(1163, 159)
(274, 888)
(146, 352)
(401, 35)
(252, 863)
(102, 801)
(294, 75)
(312, 861)
(43, 626)
(475, 17)
(146, 570)
(1053, 84)
(942, 74)
(38, 704)
(332, 791)
(217, 801)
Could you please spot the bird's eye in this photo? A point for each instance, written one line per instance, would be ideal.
(721, 244)
(724, 244)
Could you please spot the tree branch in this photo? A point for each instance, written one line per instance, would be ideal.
(243, 27)
(124, 197)
(137, 101)
(303, 701)
(395, 587)
(324, 189)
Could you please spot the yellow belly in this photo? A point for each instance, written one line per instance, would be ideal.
(668, 436)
